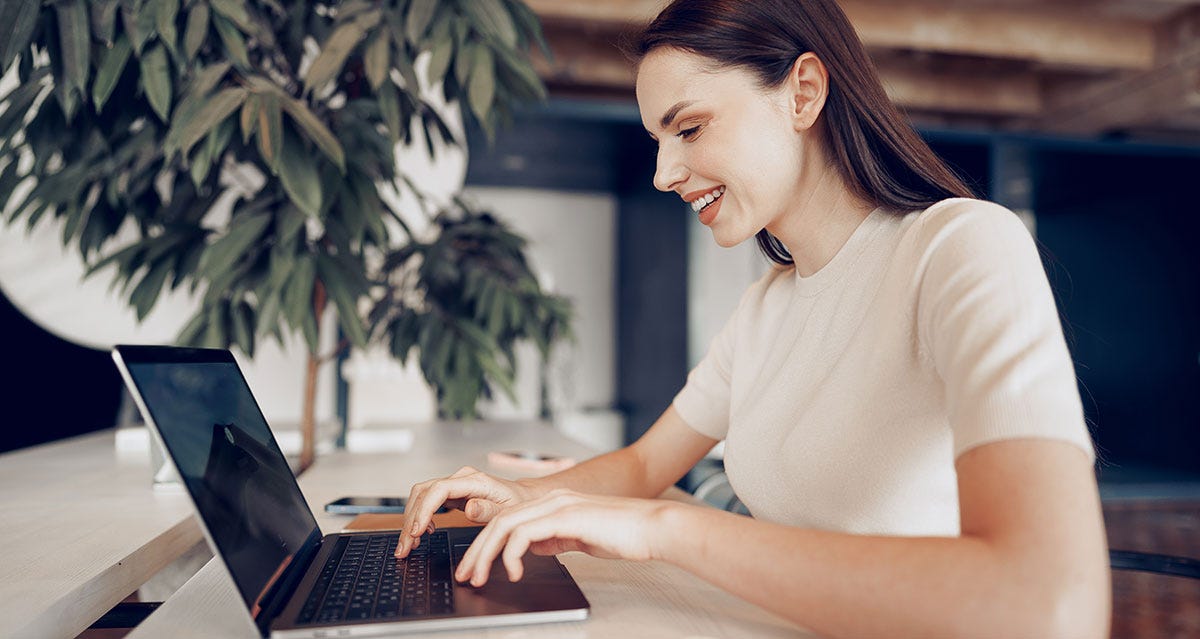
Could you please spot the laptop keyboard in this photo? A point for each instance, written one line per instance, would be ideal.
(362, 580)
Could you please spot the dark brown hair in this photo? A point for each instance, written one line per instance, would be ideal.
(878, 153)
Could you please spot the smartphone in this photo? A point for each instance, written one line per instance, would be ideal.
(359, 505)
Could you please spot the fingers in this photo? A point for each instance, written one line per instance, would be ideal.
(502, 533)
(426, 497)
(481, 510)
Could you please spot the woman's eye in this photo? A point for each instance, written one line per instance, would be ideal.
(688, 134)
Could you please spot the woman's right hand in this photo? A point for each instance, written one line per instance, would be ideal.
(479, 495)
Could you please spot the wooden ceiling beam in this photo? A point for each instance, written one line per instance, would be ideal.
(1010, 94)
(592, 62)
(1170, 92)
(1048, 35)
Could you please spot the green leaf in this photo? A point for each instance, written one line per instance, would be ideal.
(206, 79)
(18, 20)
(74, 37)
(145, 294)
(439, 59)
(336, 48)
(201, 163)
(490, 17)
(270, 130)
(464, 59)
(165, 12)
(189, 261)
(210, 154)
(408, 72)
(104, 20)
(522, 80)
(249, 117)
(235, 11)
(245, 231)
(389, 107)
(289, 223)
(186, 132)
(219, 138)
(134, 23)
(12, 119)
(268, 314)
(195, 328)
(196, 30)
(216, 333)
(297, 297)
(243, 319)
(531, 25)
(482, 88)
(156, 81)
(316, 131)
(340, 289)
(235, 44)
(111, 66)
(420, 13)
(376, 60)
(299, 176)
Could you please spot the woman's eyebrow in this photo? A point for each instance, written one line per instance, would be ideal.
(674, 111)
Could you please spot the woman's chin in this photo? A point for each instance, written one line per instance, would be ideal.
(725, 239)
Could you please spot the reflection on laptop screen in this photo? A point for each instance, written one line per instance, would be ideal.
(227, 457)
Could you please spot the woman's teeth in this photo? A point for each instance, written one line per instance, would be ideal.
(702, 202)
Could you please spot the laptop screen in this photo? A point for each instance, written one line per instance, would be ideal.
(227, 458)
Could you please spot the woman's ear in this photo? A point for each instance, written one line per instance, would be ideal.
(808, 84)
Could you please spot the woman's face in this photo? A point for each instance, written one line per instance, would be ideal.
(720, 136)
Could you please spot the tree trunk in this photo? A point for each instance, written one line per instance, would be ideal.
(308, 426)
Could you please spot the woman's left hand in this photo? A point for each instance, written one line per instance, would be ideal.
(562, 521)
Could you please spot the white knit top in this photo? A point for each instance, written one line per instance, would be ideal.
(845, 397)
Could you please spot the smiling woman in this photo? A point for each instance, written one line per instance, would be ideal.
(897, 402)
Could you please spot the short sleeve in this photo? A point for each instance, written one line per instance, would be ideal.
(987, 318)
(703, 403)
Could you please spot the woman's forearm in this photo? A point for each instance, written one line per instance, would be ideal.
(838, 584)
(621, 472)
(645, 468)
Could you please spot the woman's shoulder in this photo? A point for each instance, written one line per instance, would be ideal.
(973, 226)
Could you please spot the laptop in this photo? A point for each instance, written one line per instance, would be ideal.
(294, 581)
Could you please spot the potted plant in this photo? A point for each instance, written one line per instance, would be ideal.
(137, 112)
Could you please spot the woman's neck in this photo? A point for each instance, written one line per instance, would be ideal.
(826, 215)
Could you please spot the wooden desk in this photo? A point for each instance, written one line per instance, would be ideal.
(80, 530)
(629, 599)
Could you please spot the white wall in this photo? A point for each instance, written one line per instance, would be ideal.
(572, 248)
(717, 277)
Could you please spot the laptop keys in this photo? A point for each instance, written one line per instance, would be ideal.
(362, 580)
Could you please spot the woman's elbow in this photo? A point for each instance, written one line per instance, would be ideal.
(1082, 609)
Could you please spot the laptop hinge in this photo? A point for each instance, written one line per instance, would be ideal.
(277, 597)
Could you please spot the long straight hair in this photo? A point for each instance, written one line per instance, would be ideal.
(876, 150)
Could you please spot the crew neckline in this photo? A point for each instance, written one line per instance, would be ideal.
(843, 261)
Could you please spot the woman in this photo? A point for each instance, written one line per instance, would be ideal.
(897, 400)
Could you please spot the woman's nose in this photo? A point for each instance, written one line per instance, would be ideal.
(669, 171)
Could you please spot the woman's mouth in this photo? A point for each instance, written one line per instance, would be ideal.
(706, 205)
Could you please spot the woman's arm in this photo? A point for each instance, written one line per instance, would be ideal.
(1031, 560)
